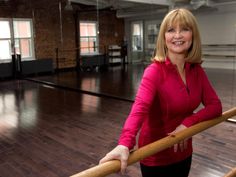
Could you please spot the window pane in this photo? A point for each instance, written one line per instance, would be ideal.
(83, 29)
(87, 29)
(5, 29)
(5, 49)
(22, 29)
(25, 47)
(92, 45)
(137, 37)
(137, 43)
(84, 45)
(92, 29)
(17, 46)
(137, 29)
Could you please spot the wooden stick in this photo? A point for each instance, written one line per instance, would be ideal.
(157, 146)
(232, 173)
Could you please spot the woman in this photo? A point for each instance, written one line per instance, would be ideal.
(172, 88)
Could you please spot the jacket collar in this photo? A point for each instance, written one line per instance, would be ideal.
(169, 64)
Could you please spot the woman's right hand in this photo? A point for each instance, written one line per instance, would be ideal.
(121, 153)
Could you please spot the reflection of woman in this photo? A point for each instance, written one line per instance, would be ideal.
(172, 87)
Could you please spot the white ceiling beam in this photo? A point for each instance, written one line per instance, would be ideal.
(100, 3)
(156, 2)
(123, 14)
(90, 2)
(84, 2)
(211, 3)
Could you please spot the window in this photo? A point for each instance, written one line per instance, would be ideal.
(151, 32)
(5, 40)
(88, 37)
(23, 38)
(137, 36)
(16, 36)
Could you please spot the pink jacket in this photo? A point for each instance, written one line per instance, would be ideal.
(163, 102)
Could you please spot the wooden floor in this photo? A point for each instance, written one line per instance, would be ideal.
(58, 125)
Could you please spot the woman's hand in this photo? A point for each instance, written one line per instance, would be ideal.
(121, 153)
(182, 145)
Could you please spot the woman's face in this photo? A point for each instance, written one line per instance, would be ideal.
(178, 39)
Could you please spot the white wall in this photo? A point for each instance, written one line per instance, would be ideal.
(219, 28)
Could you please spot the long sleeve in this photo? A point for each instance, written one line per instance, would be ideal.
(212, 104)
(141, 106)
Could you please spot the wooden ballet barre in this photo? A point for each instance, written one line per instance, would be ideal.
(232, 173)
(152, 148)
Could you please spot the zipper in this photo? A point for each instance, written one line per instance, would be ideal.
(185, 85)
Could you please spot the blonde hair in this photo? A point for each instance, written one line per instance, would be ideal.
(184, 18)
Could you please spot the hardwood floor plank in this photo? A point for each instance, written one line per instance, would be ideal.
(8, 171)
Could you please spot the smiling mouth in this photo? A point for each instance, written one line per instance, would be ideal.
(178, 42)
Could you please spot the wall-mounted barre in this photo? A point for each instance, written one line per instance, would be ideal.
(157, 146)
(232, 173)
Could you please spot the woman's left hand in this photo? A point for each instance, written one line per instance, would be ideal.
(182, 145)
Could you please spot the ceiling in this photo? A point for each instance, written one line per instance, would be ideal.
(132, 8)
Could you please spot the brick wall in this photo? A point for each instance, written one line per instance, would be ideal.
(47, 27)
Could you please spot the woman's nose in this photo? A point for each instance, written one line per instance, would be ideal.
(178, 34)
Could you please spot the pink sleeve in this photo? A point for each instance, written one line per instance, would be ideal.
(212, 104)
(140, 108)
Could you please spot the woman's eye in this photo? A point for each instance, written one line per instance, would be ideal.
(170, 30)
(186, 29)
